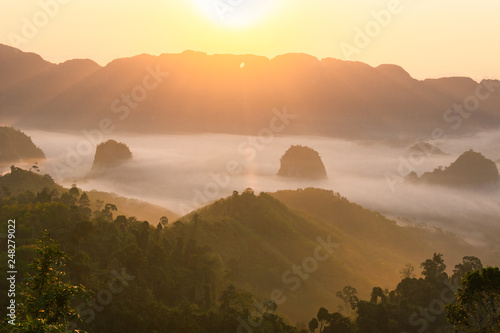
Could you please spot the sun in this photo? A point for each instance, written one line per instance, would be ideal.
(235, 13)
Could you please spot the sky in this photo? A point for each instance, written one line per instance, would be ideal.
(428, 38)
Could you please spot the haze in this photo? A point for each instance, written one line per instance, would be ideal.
(162, 125)
(424, 37)
(185, 172)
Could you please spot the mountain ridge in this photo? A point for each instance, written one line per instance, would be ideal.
(278, 230)
(470, 170)
(197, 92)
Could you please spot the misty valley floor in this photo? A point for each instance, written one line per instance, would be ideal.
(185, 172)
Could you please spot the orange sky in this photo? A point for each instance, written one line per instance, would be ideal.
(428, 38)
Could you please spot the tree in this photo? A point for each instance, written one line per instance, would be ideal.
(233, 302)
(107, 212)
(74, 192)
(313, 325)
(84, 201)
(469, 264)
(44, 196)
(121, 220)
(372, 318)
(376, 293)
(350, 298)
(68, 199)
(330, 322)
(164, 221)
(35, 167)
(98, 204)
(269, 305)
(323, 317)
(477, 308)
(407, 271)
(338, 324)
(434, 269)
(248, 191)
(46, 293)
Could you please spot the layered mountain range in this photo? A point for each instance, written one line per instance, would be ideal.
(196, 92)
(305, 244)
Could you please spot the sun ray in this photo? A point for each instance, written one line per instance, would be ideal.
(235, 13)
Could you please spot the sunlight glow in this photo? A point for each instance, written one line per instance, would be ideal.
(235, 13)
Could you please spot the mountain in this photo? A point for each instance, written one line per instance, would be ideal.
(470, 170)
(425, 148)
(110, 154)
(196, 92)
(270, 242)
(27, 74)
(302, 162)
(298, 247)
(19, 181)
(16, 146)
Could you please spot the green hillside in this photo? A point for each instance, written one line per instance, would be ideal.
(390, 242)
(16, 146)
(18, 181)
(260, 238)
(232, 259)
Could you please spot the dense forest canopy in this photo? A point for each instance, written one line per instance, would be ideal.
(168, 276)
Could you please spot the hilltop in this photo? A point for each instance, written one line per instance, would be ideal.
(19, 181)
(16, 146)
(470, 170)
(302, 162)
(110, 154)
(260, 238)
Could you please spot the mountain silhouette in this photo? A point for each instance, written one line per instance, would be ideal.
(109, 154)
(196, 92)
(260, 237)
(16, 146)
(302, 162)
(471, 169)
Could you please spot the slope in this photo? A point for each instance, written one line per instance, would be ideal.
(260, 240)
(16, 146)
(18, 181)
(196, 92)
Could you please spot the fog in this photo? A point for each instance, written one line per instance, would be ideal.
(184, 172)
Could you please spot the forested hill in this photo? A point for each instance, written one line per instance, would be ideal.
(29, 185)
(16, 146)
(381, 235)
(202, 272)
(262, 238)
(237, 94)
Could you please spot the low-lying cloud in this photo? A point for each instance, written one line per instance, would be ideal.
(183, 172)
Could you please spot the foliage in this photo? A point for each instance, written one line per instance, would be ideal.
(196, 274)
(349, 296)
(477, 308)
(418, 305)
(46, 293)
(144, 279)
(331, 323)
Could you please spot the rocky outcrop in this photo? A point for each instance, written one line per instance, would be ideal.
(302, 162)
(471, 169)
(110, 154)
